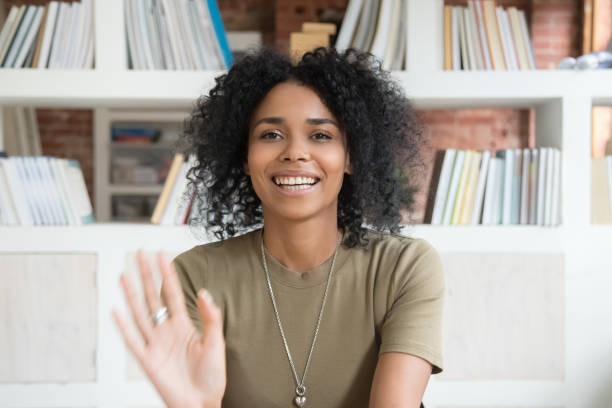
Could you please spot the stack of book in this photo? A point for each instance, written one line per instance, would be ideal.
(21, 135)
(512, 186)
(175, 203)
(43, 191)
(58, 35)
(483, 36)
(377, 26)
(176, 35)
(601, 190)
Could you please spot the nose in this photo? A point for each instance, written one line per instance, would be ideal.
(295, 150)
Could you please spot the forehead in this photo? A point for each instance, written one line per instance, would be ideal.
(293, 101)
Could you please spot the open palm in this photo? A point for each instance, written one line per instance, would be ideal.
(186, 368)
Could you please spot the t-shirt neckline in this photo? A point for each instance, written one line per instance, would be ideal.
(288, 277)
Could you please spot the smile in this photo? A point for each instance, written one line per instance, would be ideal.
(295, 184)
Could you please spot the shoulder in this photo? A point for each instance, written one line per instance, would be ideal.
(200, 256)
(399, 245)
(405, 258)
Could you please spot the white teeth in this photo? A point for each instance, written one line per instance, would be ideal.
(294, 180)
(296, 187)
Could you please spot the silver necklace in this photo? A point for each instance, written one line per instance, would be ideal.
(300, 390)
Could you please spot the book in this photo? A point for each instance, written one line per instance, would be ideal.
(542, 168)
(515, 207)
(7, 203)
(533, 186)
(366, 26)
(525, 179)
(393, 35)
(463, 181)
(443, 184)
(484, 43)
(506, 201)
(77, 191)
(381, 35)
(162, 202)
(492, 31)
(7, 27)
(17, 190)
(455, 46)
(20, 36)
(453, 187)
(480, 188)
(448, 38)
(475, 36)
(48, 33)
(488, 209)
(220, 31)
(10, 37)
(467, 209)
(349, 25)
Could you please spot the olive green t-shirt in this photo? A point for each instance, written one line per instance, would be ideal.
(387, 297)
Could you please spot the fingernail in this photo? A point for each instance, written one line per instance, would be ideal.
(205, 294)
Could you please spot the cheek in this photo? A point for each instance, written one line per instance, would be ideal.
(258, 158)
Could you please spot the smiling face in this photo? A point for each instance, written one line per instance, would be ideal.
(297, 154)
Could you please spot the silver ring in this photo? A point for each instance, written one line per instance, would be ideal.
(160, 315)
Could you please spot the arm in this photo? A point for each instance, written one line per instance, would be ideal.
(399, 381)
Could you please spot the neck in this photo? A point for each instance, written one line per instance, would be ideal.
(300, 246)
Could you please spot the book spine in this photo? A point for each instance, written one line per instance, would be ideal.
(454, 185)
(443, 186)
(220, 31)
(480, 188)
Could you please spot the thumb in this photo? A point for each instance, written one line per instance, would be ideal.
(209, 313)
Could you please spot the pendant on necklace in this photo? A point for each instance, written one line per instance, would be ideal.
(300, 399)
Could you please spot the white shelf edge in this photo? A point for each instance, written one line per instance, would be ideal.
(180, 89)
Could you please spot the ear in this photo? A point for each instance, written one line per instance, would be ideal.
(245, 166)
(348, 169)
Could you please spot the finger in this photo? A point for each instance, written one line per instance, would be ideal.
(171, 287)
(210, 315)
(151, 295)
(130, 340)
(140, 317)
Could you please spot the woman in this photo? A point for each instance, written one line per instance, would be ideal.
(310, 308)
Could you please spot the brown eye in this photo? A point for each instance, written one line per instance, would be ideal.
(321, 136)
(270, 136)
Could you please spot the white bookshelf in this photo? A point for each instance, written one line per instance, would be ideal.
(562, 100)
(104, 150)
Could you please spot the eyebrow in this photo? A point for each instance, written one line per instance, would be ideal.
(311, 121)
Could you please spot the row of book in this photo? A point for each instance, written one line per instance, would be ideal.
(512, 186)
(601, 190)
(57, 35)
(172, 208)
(21, 134)
(43, 190)
(377, 26)
(483, 36)
(176, 35)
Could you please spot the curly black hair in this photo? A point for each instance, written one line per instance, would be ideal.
(384, 138)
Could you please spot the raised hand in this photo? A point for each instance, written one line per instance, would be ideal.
(186, 368)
